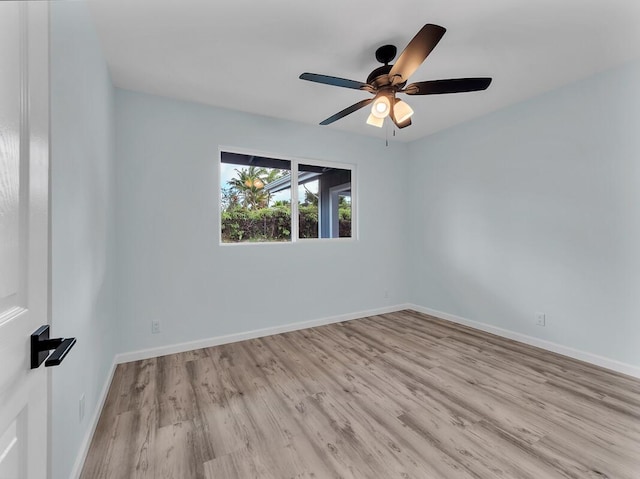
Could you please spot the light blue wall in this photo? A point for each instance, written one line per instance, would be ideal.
(170, 264)
(83, 227)
(537, 208)
(533, 208)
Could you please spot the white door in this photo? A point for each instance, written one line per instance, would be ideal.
(24, 236)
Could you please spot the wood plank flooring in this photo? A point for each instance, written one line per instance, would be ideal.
(399, 395)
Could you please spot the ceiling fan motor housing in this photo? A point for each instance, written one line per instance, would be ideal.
(379, 78)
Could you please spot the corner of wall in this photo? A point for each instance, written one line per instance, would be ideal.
(533, 208)
(82, 228)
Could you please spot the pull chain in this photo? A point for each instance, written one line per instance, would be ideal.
(386, 136)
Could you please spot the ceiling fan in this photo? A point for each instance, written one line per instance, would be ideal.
(386, 81)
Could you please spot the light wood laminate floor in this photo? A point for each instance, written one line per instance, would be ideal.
(398, 395)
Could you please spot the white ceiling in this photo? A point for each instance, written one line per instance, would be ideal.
(247, 54)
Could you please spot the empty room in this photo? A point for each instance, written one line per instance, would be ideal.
(319, 240)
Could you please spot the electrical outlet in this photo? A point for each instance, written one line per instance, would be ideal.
(541, 319)
(386, 293)
(155, 327)
(81, 408)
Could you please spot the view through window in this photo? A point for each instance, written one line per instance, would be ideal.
(257, 200)
(324, 202)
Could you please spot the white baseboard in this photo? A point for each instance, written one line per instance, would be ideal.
(86, 442)
(256, 333)
(595, 359)
(204, 343)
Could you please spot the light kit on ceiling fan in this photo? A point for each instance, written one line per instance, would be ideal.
(386, 81)
(375, 121)
(402, 111)
(381, 107)
(379, 111)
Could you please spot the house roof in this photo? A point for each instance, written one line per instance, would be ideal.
(284, 183)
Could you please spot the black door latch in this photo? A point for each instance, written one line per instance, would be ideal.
(41, 345)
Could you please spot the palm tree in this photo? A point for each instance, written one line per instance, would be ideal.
(249, 184)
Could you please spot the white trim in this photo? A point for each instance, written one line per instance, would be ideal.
(295, 162)
(295, 206)
(284, 156)
(256, 333)
(86, 442)
(332, 240)
(587, 357)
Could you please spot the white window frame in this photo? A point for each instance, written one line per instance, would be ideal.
(294, 162)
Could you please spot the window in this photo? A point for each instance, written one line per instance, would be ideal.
(258, 201)
(324, 202)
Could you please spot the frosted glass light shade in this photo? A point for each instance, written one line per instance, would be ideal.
(381, 107)
(375, 121)
(402, 111)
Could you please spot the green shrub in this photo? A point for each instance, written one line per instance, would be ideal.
(265, 224)
(274, 224)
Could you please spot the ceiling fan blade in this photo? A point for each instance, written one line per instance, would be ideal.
(415, 53)
(392, 115)
(347, 111)
(335, 81)
(453, 85)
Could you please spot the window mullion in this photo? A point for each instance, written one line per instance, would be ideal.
(294, 201)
